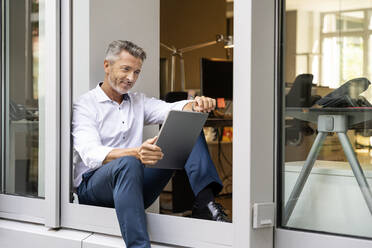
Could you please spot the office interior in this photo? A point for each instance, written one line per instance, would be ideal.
(200, 44)
(24, 86)
(327, 45)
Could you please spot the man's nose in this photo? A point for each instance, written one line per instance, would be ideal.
(131, 76)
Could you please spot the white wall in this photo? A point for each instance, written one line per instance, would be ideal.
(120, 19)
(97, 23)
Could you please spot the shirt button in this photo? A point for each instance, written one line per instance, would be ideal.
(122, 122)
(123, 137)
(119, 108)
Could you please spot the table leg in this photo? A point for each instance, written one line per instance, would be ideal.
(357, 170)
(301, 180)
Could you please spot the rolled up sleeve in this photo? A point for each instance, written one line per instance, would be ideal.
(86, 138)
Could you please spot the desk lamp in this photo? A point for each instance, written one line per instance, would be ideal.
(228, 41)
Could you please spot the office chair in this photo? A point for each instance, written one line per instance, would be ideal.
(300, 93)
(299, 96)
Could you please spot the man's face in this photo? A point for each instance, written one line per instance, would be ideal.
(123, 73)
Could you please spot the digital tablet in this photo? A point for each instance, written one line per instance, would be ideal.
(177, 138)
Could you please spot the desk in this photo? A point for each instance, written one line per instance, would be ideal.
(218, 122)
(338, 120)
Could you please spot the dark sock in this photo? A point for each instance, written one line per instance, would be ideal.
(204, 197)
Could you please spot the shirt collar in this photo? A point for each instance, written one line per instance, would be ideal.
(102, 97)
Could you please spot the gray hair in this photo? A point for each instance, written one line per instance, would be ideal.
(116, 47)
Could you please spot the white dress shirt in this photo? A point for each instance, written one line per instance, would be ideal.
(100, 125)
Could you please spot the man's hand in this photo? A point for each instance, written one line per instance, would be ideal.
(201, 104)
(148, 153)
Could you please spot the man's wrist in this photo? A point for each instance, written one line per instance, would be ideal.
(136, 153)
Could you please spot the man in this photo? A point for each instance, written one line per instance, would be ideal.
(109, 156)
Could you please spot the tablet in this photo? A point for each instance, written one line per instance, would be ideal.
(177, 137)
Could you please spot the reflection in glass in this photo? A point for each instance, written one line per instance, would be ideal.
(351, 21)
(342, 60)
(327, 164)
(329, 23)
(23, 99)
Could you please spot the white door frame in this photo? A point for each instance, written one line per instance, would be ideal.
(37, 210)
(162, 228)
(253, 117)
(253, 147)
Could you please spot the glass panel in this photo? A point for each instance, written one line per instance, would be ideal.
(326, 167)
(370, 56)
(343, 21)
(342, 59)
(23, 41)
(351, 21)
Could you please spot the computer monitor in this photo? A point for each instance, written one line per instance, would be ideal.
(217, 78)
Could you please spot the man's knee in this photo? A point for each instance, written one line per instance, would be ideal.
(128, 165)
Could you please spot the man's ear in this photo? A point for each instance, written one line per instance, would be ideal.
(106, 66)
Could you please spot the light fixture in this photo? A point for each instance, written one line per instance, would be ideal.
(227, 41)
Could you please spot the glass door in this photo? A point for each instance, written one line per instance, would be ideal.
(324, 165)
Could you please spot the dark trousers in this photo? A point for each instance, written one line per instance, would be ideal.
(130, 187)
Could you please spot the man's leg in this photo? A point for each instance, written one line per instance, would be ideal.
(205, 183)
(154, 182)
(201, 170)
(119, 184)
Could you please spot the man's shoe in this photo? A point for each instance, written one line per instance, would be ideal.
(212, 211)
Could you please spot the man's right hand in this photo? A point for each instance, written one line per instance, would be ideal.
(148, 153)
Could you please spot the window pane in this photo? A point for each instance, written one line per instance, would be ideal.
(329, 23)
(342, 59)
(23, 99)
(352, 57)
(351, 21)
(326, 168)
(343, 21)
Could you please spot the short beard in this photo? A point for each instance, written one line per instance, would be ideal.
(116, 88)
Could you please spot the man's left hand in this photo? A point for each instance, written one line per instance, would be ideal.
(203, 104)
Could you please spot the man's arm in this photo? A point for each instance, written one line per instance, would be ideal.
(201, 104)
(147, 153)
(86, 138)
(120, 152)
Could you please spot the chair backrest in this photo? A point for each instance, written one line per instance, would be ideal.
(175, 96)
(300, 93)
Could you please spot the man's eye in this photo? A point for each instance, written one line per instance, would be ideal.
(125, 69)
(137, 72)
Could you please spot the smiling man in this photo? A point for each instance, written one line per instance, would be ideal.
(110, 158)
